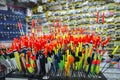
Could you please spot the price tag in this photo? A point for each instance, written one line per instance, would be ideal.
(40, 9)
(3, 2)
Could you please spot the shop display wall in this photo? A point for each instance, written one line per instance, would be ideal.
(9, 24)
(83, 13)
(40, 20)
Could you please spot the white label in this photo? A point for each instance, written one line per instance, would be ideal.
(29, 12)
(40, 9)
(3, 2)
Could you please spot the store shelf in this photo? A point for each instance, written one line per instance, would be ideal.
(87, 10)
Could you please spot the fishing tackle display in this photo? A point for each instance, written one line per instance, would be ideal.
(61, 52)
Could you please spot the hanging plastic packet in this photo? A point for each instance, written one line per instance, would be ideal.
(117, 14)
(117, 26)
(117, 20)
(111, 7)
(109, 13)
(117, 8)
(116, 1)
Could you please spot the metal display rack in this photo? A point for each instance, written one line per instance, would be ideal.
(78, 76)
